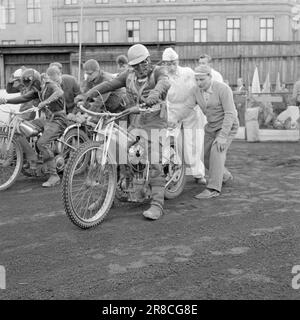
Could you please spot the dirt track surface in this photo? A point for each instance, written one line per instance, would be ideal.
(241, 245)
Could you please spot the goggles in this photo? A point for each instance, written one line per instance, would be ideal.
(141, 64)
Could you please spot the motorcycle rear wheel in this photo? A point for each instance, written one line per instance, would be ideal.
(11, 162)
(89, 195)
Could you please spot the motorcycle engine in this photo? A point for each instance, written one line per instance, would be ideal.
(137, 156)
(60, 163)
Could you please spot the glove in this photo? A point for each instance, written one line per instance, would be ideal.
(152, 99)
(80, 118)
(41, 105)
(221, 143)
(3, 101)
(173, 125)
(80, 98)
(71, 117)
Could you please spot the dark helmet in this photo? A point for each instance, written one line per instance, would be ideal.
(31, 77)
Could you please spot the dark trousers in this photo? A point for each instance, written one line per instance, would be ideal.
(51, 130)
(215, 161)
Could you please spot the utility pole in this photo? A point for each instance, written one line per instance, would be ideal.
(2, 66)
(80, 41)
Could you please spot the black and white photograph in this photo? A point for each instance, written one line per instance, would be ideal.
(149, 152)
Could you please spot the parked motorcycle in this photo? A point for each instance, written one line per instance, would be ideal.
(89, 195)
(12, 162)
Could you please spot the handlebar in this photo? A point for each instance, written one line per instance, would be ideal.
(135, 109)
(17, 112)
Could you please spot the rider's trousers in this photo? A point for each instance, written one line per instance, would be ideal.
(51, 131)
(155, 130)
(30, 155)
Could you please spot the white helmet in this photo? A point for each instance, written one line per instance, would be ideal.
(137, 53)
(18, 73)
(169, 55)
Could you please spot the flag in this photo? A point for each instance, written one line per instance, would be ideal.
(267, 85)
(255, 82)
(278, 84)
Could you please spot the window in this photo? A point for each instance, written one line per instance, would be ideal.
(10, 11)
(166, 30)
(8, 42)
(102, 31)
(71, 1)
(34, 41)
(266, 29)
(200, 30)
(233, 30)
(133, 31)
(71, 31)
(34, 11)
(101, 1)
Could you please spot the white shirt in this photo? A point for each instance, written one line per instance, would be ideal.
(216, 76)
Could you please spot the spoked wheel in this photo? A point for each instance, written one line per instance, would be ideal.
(174, 171)
(88, 195)
(73, 140)
(11, 161)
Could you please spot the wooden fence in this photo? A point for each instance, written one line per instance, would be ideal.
(232, 60)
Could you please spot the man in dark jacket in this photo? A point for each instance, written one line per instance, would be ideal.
(113, 101)
(51, 101)
(148, 84)
(68, 83)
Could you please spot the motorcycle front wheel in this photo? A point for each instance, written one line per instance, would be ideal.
(73, 140)
(174, 171)
(88, 196)
(11, 161)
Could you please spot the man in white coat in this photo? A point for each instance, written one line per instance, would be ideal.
(183, 114)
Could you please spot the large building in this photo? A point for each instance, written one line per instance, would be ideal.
(127, 21)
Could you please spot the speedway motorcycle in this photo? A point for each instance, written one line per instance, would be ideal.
(89, 195)
(12, 162)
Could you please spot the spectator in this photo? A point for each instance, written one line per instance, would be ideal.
(240, 86)
(205, 60)
(240, 100)
(284, 88)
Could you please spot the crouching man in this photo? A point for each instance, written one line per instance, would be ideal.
(216, 101)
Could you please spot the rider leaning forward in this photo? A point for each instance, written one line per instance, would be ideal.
(93, 75)
(51, 100)
(149, 84)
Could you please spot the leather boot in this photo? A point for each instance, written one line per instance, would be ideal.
(53, 180)
(154, 212)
